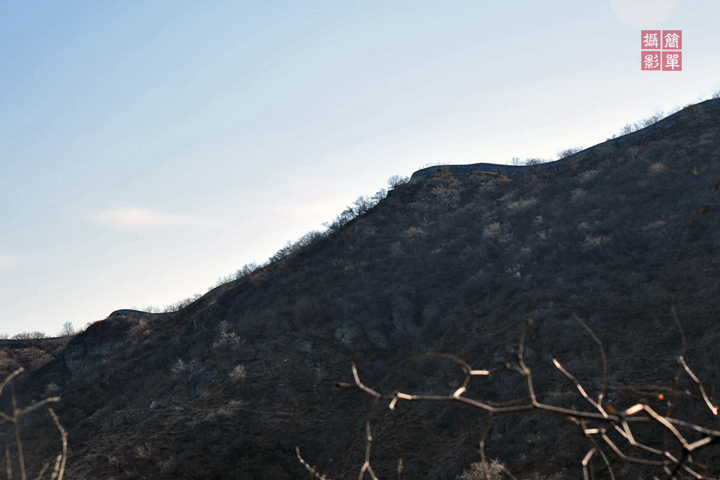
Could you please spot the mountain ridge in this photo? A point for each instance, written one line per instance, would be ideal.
(228, 386)
(614, 143)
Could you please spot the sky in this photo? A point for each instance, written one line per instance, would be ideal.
(149, 148)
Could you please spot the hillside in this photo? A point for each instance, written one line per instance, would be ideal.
(231, 384)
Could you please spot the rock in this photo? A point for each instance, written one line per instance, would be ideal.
(79, 358)
(304, 346)
(202, 379)
(312, 362)
(378, 339)
(347, 334)
(155, 405)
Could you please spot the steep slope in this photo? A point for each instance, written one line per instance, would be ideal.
(227, 387)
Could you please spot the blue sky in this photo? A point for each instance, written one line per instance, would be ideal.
(148, 148)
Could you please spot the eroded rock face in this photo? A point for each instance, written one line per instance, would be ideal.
(80, 358)
(95, 345)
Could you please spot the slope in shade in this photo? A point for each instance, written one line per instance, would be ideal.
(452, 262)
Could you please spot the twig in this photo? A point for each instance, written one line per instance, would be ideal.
(619, 421)
(17, 414)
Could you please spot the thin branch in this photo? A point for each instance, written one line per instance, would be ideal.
(15, 417)
(580, 388)
(10, 378)
(712, 407)
(619, 421)
(602, 354)
(62, 458)
(311, 469)
(16, 420)
(585, 461)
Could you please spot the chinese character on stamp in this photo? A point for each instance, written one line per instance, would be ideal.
(650, 39)
(661, 50)
(650, 60)
(672, 39)
(672, 61)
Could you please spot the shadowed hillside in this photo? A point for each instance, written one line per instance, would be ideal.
(228, 386)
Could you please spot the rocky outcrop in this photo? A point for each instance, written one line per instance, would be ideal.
(78, 358)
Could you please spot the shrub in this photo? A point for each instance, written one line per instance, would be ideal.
(29, 335)
(568, 151)
(396, 180)
(645, 122)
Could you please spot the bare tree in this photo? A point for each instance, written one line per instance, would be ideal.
(568, 151)
(363, 204)
(605, 428)
(29, 335)
(629, 128)
(652, 119)
(67, 330)
(534, 161)
(397, 180)
(645, 122)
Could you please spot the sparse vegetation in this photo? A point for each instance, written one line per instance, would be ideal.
(568, 151)
(528, 161)
(362, 205)
(645, 122)
(179, 305)
(29, 335)
(396, 181)
(68, 330)
(229, 384)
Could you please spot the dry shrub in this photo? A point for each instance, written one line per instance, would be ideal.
(680, 448)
